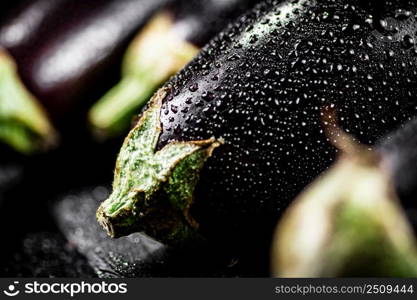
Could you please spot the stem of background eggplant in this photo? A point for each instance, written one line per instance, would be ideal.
(155, 54)
(23, 123)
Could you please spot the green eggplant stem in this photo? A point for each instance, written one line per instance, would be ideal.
(24, 125)
(155, 54)
(113, 113)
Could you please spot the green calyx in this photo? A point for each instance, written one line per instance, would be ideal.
(153, 191)
(23, 123)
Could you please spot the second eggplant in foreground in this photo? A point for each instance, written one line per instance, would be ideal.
(233, 138)
(170, 41)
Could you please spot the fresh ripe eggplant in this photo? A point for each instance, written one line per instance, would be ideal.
(66, 49)
(24, 124)
(170, 41)
(226, 144)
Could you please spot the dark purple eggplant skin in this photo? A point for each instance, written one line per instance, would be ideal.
(6, 6)
(75, 48)
(399, 154)
(262, 86)
(201, 20)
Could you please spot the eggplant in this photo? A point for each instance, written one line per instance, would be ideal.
(234, 137)
(22, 25)
(348, 223)
(65, 52)
(170, 40)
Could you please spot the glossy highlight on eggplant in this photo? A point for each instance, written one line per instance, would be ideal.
(349, 219)
(261, 86)
(169, 41)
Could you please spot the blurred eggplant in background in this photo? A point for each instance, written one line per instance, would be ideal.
(46, 255)
(170, 40)
(66, 52)
(5, 7)
(348, 223)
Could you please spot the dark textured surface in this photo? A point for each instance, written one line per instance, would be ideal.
(399, 153)
(264, 98)
(137, 255)
(26, 218)
(10, 175)
(6, 6)
(46, 254)
(75, 215)
(11, 171)
(262, 86)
